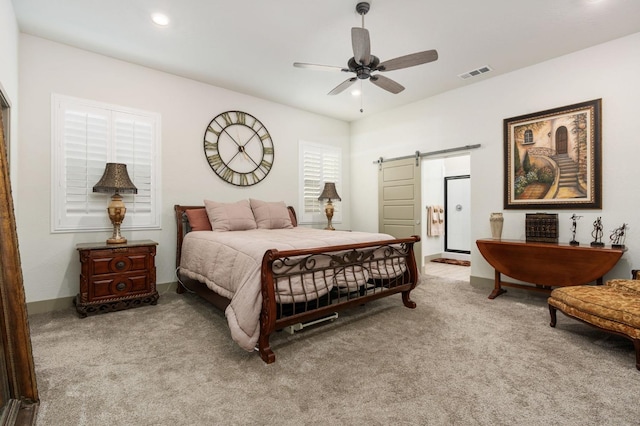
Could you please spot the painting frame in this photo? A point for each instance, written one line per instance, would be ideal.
(559, 158)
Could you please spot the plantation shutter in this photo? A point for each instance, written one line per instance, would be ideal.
(83, 139)
(87, 135)
(134, 140)
(320, 164)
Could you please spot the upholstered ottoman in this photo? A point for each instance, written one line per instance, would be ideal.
(614, 307)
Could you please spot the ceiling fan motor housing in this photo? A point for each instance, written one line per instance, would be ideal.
(363, 71)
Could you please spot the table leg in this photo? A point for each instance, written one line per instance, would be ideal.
(497, 290)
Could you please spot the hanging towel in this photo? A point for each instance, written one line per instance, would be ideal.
(435, 219)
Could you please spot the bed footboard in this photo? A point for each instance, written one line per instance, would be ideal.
(330, 279)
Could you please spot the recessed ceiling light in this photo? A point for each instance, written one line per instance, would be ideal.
(356, 92)
(160, 19)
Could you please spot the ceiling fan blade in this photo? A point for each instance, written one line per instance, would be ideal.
(387, 84)
(319, 67)
(361, 45)
(408, 60)
(342, 86)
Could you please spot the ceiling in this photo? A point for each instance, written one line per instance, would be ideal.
(249, 46)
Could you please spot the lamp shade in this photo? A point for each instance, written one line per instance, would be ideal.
(329, 192)
(115, 180)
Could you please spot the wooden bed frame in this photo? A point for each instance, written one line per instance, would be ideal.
(282, 265)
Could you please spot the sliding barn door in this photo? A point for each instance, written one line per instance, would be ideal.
(399, 200)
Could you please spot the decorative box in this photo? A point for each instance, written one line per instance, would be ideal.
(542, 227)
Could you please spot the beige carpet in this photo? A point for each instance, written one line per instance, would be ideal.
(458, 358)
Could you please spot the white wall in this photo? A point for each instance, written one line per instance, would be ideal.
(9, 81)
(475, 114)
(49, 261)
(433, 172)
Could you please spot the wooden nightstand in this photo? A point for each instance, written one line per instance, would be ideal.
(114, 277)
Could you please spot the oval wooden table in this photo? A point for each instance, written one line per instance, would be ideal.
(546, 265)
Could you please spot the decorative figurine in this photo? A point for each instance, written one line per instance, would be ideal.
(574, 225)
(597, 233)
(617, 236)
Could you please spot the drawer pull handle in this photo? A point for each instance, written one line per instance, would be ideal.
(120, 265)
(121, 286)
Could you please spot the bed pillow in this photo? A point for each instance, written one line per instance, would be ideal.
(230, 216)
(271, 215)
(198, 220)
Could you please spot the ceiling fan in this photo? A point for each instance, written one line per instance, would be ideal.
(363, 64)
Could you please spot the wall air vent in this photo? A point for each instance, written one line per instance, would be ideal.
(476, 72)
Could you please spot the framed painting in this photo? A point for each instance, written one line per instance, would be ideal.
(553, 158)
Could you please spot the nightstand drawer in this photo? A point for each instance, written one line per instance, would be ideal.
(118, 286)
(119, 263)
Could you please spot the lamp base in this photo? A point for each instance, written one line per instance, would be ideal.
(121, 240)
(116, 212)
(329, 212)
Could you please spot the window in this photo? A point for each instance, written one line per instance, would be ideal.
(528, 137)
(85, 136)
(319, 164)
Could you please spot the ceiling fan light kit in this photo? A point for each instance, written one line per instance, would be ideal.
(363, 64)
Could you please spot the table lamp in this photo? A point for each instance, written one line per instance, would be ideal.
(116, 180)
(329, 193)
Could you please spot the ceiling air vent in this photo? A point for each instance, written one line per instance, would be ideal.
(476, 72)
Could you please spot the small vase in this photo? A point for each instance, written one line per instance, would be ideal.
(496, 221)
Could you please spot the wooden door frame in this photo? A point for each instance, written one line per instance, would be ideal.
(22, 407)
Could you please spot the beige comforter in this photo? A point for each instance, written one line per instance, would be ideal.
(229, 263)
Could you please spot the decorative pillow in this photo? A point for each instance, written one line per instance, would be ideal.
(198, 219)
(230, 216)
(271, 215)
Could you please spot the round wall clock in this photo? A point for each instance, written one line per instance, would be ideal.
(238, 148)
